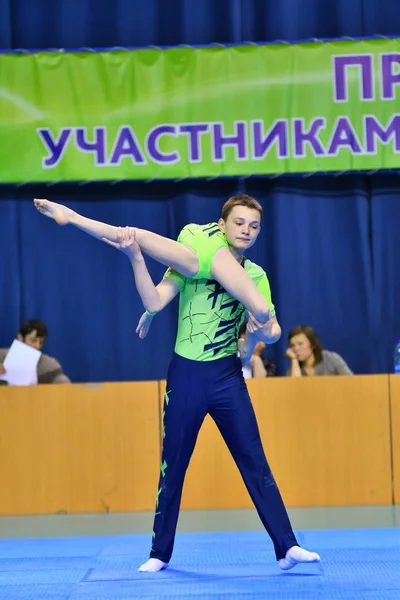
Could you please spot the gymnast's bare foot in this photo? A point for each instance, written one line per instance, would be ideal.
(61, 214)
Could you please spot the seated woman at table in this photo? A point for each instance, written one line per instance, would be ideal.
(308, 358)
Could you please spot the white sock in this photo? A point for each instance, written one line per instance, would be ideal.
(296, 555)
(153, 565)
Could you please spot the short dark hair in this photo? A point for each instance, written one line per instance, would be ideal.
(312, 337)
(33, 325)
(240, 200)
(242, 330)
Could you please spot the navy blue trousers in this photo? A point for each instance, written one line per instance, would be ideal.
(195, 389)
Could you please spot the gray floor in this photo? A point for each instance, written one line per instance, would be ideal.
(193, 521)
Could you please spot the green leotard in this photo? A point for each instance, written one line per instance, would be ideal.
(205, 241)
(209, 317)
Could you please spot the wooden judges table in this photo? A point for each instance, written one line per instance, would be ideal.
(331, 441)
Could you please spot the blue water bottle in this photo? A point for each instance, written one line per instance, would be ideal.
(397, 358)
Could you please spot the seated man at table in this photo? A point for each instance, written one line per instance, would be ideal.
(34, 334)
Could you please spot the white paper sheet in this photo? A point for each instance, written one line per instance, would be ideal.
(20, 364)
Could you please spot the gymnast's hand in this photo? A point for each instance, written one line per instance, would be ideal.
(269, 332)
(144, 325)
(255, 326)
(126, 242)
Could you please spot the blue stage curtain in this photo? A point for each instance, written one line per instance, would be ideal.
(329, 247)
(89, 23)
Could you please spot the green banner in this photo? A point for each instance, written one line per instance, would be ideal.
(200, 112)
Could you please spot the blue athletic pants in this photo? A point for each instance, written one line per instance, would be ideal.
(195, 389)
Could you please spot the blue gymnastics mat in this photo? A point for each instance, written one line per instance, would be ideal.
(355, 564)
